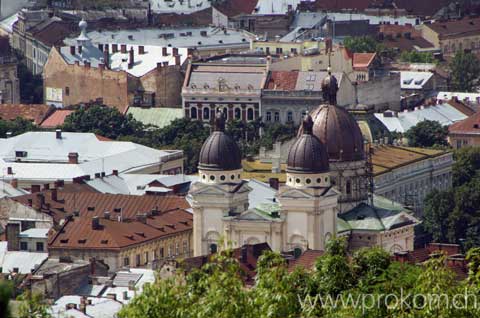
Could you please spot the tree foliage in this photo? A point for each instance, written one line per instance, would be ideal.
(216, 290)
(6, 292)
(427, 133)
(361, 44)
(417, 57)
(465, 72)
(33, 305)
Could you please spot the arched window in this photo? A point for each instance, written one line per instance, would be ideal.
(193, 113)
(206, 113)
(213, 248)
(349, 187)
(238, 113)
(225, 112)
(250, 114)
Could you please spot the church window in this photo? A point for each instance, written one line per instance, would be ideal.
(193, 113)
(297, 180)
(212, 178)
(222, 178)
(213, 248)
(232, 177)
(289, 179)
(308, 181)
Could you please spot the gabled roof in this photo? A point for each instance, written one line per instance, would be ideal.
(456, 28)
(468, 126)
(56, 119)
(363, 60)
(306, 260)
(35, 113)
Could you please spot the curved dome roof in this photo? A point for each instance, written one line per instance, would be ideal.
(220, 152)
(307, 154)
(339, 131)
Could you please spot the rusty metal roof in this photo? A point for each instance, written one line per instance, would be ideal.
(339, 131)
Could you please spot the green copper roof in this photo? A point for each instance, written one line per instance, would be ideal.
(158, 116)
(384, 215)
(268, 209)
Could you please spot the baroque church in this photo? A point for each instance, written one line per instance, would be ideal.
(326, 193)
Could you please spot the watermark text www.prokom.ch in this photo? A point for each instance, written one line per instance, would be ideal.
(402, 301)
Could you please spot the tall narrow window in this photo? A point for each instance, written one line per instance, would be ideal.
(250, 114)
(206, 113)
(193, 113)
(349, 187)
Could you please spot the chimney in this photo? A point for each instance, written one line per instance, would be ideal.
(273, 183)
(12, 230)
(177, 59)
(72, 50)
(73, 158)
(114, 172)
(95, 223)
(328, 45)
(106, 215)
(54, 194)
(35, 188)
(142, 217)
(164, 51)
(141, 50)
(123, 48)
(131, 60)
(80, 49)
(14, 183)
(83, 305)
(39, 200)
(175, 51)
(58, 134)
(9, 170)
(165, 64)
(159, 66)
(114, 48)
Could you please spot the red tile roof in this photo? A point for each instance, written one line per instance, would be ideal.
(456, 28)
(282, 80)
(306, 260)
(363, 60)
(95, 204)
(461, 107)
(52, 32)
(233, 8)
(33, 112)
(78, 232)
(56, 119)
(470, 125)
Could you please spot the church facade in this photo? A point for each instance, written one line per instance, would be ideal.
(325, 195)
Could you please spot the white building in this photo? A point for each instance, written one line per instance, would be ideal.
(38, 158)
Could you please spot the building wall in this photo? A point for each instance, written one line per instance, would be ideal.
(392, 241)
(66, 84)
(382, 93)
(245, 109)
(32, 244)
(218, 18)
(9, 84)
(410, 184)
(285, 108)
(146, 253)
(14, 212)
(458, 141)
(285, 48)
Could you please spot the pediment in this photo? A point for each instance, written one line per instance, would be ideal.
(252, 215)
(218, 189)
(295, 194)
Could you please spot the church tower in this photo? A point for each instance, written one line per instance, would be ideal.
(220, 192)
(308, 202)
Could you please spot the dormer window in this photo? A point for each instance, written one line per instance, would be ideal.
(20, 154)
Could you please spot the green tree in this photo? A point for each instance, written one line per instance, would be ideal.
(104, 121)
(5, 294)
(466, 166)
(438, 206)
(427, 133)
(417, 57)
(465, 71)
(361, 44)
(370, 262)
(33, 306)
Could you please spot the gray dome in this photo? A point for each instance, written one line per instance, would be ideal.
(308, 154)
(220, 152)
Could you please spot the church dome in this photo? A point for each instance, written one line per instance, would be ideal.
(339, 131)
(307, 154)
(220, 152)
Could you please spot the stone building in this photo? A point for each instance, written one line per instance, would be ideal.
(9, 85)
(233, 87)
(120, 230)
(452, 36)
(119, 74)
(326, 193)
(465, 133)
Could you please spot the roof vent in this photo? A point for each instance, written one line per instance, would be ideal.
(58, 134)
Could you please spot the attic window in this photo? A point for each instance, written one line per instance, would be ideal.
(130, 237)
(117, 210)
(172, 226)
(82, 241)
(20, 154)
(419, 82)
(475, 126)
(140, 234)
(104, 241)
(64, 241)
(408, 81)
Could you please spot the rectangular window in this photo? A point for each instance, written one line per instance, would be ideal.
(185, 247)
(170, 251)
(161, 253)
(177, 249)
(277, 116)
(126, 261)
(39, 246)
(146, 257)
(23, 246)
(138, 260)
(67, 91)
(293, 50)
(279, 50)
(269, 116)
